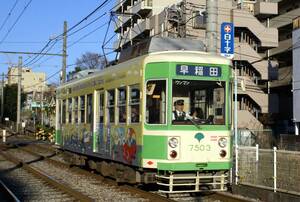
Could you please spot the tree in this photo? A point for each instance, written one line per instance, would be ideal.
(90, 60)
(10, 101)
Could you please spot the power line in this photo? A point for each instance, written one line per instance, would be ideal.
(57, 38)
(75, 42)
(18, 18)
(9, 14)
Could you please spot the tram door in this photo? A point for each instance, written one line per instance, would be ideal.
(98, 145)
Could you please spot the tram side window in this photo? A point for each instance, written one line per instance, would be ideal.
(122, 105)
(134, 104)
(58, 111)
(75, 110)
(90, 108)
(101, 107)
(64, 108)
(111, 106)
(156, 102)
(70, 110)
(82, 109)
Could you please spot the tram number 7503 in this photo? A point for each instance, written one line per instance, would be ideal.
(199, 147)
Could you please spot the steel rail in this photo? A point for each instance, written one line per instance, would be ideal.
(48, 179)
(223, 196)
(148, 195)
(8, 194)
(228, 197)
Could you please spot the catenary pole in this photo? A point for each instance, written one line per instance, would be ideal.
(2, 96)
(211, 25)
(20, 64)
(64, 58)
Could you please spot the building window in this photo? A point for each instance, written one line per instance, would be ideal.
(111, 106)
(134, 104)
(199, 20)
(156, 102)
(122, 105)
(82, 109)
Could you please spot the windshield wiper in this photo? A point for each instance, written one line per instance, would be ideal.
(197, 125)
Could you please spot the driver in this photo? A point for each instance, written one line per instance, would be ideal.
(178, 113)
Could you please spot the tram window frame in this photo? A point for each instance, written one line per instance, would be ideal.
(70, 106)
(205, 98)
(58, 111)
(134, 102)
(63, 111)
(100, 107)
(82, 108)
(163, 114)
(89, 108)
(122, 105)
(75, 109)
(111, 106)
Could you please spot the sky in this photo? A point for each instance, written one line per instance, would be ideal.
(43, 20)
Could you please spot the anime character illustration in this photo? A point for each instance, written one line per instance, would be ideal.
(129, 147)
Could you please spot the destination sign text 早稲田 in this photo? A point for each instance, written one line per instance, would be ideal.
(198, 70)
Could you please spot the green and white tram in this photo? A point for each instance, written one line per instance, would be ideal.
(163, 118)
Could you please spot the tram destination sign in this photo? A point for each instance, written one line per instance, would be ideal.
(198, 70)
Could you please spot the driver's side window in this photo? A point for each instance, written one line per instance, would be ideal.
(156, 102)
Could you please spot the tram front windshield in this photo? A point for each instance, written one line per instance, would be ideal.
(198, 102)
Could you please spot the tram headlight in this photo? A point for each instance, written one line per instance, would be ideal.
(222, 142)
(173, 142)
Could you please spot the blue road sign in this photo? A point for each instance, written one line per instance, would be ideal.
(227, 39)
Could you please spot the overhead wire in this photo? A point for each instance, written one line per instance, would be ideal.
(77, 41)
(8, 15)
(15, 22)
(59, 37)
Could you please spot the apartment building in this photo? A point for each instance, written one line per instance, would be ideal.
(31, 81)
(255, 39)
(287, 11)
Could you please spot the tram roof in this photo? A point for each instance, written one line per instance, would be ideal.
(179, 56)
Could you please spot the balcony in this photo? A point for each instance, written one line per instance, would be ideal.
(246, 53)
(284, 19)
(123, 21)
(255, 93)
(140, 28)
(268, 37)
(142, 7)
(120, 4)
(247, 120)
(282, 47)
(265, 8)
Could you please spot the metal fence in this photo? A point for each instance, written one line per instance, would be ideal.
(273, 169)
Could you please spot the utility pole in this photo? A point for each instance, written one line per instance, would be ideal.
(211, 25)
(2, 96)
(20, 64)
(42, 105)
(64, 59)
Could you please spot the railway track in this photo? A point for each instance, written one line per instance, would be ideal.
(42, 156)
(91, 185)
(28, 183)
(6, 194)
